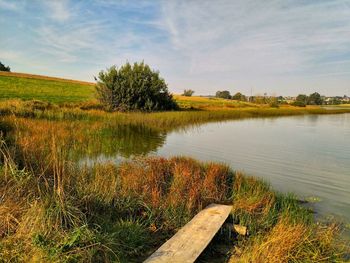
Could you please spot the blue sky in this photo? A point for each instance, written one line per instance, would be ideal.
(278, 47)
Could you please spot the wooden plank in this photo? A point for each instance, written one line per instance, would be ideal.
(190, 241)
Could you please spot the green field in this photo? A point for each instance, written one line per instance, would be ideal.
(50, 90)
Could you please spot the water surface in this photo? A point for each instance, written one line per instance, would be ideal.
(308, 155)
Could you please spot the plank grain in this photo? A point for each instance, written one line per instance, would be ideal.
(190, 241)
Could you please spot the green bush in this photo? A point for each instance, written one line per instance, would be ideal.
(225, 94)
(4, 68)
(133, 87)
(239, 96)
(188, 92)
(299, 103)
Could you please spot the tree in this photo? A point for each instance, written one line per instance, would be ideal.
(302, 98)
(315, 99)
(4, 68)
(272, 101)
(300, 101)
(239, 96)
(133, 87)
(223, 94)
(188, 92)
(257, 99)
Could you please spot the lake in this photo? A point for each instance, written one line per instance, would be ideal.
(308, 155)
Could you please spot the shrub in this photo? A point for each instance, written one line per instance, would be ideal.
(239, 96)
(273, 102)
(133, 87)
(315, 99)
(188, 92)
(4, 68)
(299, 103)
(223, 94)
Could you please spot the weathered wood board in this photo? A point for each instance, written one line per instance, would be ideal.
(190, 241)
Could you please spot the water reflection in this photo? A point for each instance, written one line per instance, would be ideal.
(124, 141)
(308, 155)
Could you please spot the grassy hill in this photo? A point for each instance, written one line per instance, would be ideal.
(56, 90)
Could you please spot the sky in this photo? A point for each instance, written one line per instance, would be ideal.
(252, 46)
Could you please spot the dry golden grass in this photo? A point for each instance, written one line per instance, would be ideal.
(212, 104)
(288, 242)
(54, 208)
(276, 246)
(175, 182)
(280, 229)
(252, 196)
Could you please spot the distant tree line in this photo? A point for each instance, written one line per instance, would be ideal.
(225, 94)
(313, 99)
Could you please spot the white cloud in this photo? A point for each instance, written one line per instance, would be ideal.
(7, 5)
(65, 42)
(14, 6)
(9, 54)
(273, 45)
(255, 39)
(59, 10)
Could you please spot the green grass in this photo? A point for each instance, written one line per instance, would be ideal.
(55, 209)
(62, 211)
(205, 103)
(55, 91)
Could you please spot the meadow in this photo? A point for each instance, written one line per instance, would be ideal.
(55, 90)
(55, 208)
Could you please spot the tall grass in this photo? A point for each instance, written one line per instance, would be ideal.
(55, 209)
(280, 229)
(58, 210)
(158, 120)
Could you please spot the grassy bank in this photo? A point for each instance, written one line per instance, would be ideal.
(55, 210)
(158, 120)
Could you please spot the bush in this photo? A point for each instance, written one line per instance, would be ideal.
(188, 92)
(223, 94)
(299, 103)
(4, 68)
(133, 87)
(273, 102)
(315, 99)
(239, 96)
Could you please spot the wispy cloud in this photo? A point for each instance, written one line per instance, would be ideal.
(274, 46)
(67, 42)
(59, 9)
(15, 6)
(7, 5)
(267, 37)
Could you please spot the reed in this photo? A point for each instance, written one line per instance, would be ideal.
(60, 210)
(55, 208)
(158, 120)
(280, 229)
